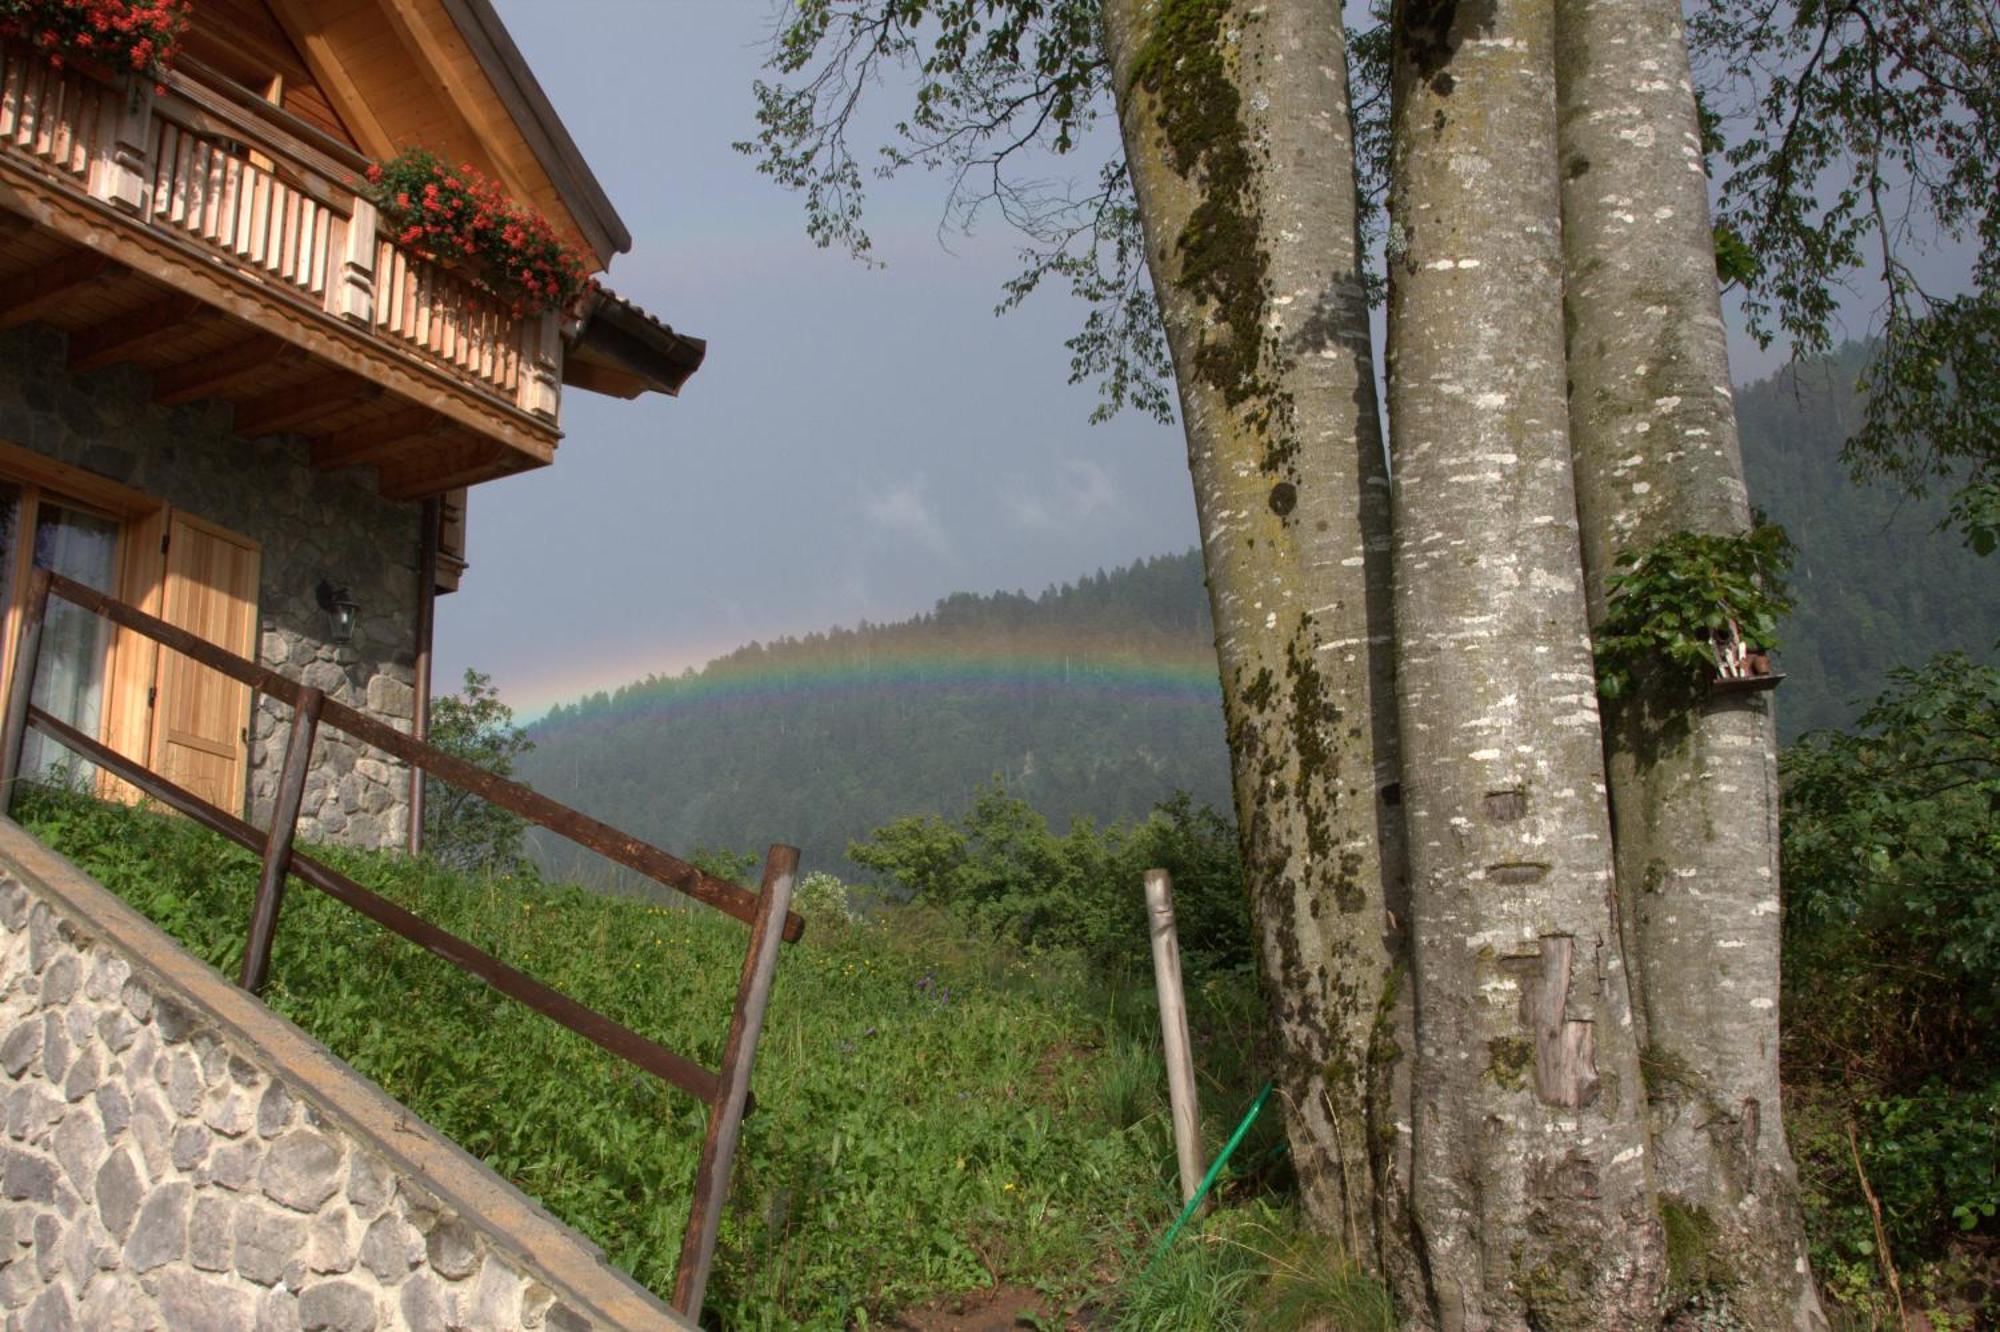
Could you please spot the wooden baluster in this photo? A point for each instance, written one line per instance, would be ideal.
(278, 845)
(62, 124)
(353, 289)
(725, 1115)
(10, 93)
(541, 352)
(27, 651)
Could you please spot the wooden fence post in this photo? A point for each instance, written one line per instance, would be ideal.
(1174, 1029)
(725, 1113)
(27, 650)
(278, 844)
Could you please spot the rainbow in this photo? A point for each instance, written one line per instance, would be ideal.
(1176, 675)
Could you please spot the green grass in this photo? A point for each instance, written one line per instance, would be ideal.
(934, 1114)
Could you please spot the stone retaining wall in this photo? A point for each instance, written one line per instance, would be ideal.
(176, 1156)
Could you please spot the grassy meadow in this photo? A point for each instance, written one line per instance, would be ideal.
(937, 1112)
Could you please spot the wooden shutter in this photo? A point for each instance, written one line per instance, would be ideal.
(128, 719)
(201, 717)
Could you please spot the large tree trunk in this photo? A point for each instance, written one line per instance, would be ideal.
(1693, 782)
(1530, 1187)
(1236, 128)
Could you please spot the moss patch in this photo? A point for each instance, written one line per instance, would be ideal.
(1184, 67)
(1696, 1266)
(1508, 1059)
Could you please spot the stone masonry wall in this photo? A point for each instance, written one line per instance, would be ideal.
(164, 1168)
(311, 525)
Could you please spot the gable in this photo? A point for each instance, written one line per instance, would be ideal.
(243, 40)
(384, 75)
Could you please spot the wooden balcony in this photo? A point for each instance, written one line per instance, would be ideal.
(229, 250)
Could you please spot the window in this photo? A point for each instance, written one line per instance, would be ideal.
(185, 721)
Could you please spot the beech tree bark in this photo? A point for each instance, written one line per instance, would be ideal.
(1693, 782)
(1236, 129)
(1530, 1190)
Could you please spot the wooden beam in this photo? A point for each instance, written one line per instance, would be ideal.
(373, 440)
(207, 375)
(436, 474)
(331, 75)
(34, 293)
(475, 108)
(298, 405)
(126, 336)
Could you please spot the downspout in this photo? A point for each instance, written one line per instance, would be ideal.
(420, 722)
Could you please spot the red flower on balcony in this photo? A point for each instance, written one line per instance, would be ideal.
(112, 36)
(461, 217)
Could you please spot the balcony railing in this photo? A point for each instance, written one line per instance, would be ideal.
(278, 203)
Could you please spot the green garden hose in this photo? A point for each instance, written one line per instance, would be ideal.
(1208, 1180)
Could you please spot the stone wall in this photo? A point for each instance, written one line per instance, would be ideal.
(311, 525)
(177, 1157)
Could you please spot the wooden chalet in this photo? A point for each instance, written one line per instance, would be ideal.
(231, 398)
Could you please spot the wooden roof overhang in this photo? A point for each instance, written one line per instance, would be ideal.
(124, 294)
(445, 75)
(171, 285)
(622, 351)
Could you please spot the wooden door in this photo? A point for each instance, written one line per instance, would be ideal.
(201, 717)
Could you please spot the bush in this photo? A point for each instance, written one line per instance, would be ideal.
(1892, 969)
(1003, 871)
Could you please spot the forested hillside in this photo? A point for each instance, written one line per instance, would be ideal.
(1877, 585)
(1099, 698)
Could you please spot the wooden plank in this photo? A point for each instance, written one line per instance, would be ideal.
(125, 337)
(589, 833)
(278, 845)
(298, 405)
(34, 293)
(424, 477)
(308, 34)
(593, 1026)
(206, 376)
(739, 1054)
(372, 440)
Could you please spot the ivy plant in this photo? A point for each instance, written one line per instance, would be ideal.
(1669, 601)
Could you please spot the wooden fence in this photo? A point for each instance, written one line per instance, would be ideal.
(726, 1091)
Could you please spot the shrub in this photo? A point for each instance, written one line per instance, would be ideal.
(1001, 869)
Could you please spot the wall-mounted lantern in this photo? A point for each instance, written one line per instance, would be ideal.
(341, 609)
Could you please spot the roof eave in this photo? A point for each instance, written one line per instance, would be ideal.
(623, 351)
(535, 115)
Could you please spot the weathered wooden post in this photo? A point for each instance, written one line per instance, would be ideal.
(278, 845)
(1181, 1092)
(725, 1114)
(27, 651)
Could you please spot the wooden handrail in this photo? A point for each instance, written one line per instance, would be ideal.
(585, 1022)
(277, 128)
(609, 842)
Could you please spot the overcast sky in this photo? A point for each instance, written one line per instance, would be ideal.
(859, 442)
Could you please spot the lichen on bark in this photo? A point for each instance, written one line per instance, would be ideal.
(1237, 134)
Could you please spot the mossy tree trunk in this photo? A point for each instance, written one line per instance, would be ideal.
(1236, 127)
(1530, 1187)
(1693, 780)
